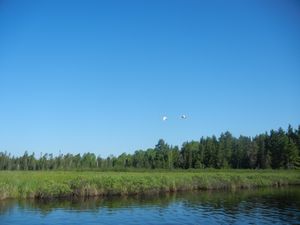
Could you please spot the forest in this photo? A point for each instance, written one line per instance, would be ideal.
(277, 149)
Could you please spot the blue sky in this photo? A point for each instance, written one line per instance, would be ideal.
(78, 76)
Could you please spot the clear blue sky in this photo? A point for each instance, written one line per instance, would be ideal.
(97, 76)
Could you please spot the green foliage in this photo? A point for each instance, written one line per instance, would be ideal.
(276, 150)
(53, 184)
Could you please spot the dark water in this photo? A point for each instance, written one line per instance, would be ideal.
(263, 206)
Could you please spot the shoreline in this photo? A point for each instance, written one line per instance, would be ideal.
(73, 184)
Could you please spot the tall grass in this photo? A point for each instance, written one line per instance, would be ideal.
(52, 184)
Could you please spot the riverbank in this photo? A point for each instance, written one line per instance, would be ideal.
(54, 184)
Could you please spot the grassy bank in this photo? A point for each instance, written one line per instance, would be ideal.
(19, 184)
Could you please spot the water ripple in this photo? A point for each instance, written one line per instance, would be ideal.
(245, 207)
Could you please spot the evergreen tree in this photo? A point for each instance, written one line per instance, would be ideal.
(263, 155)
(279, 149)
(225, 149)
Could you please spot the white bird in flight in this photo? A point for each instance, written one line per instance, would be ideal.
(183, 117)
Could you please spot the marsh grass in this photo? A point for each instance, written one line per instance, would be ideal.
(55, 184)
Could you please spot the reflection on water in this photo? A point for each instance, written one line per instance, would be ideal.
(261, 206)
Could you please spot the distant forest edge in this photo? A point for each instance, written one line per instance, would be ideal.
(277, 149)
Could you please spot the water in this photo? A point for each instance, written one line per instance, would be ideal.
(263, 206)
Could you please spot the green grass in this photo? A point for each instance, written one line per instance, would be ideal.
(52, 184)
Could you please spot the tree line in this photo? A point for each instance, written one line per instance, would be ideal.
(276, 149)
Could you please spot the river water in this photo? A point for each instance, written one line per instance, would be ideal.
(261, 206)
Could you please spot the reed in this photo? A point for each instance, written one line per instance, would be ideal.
(54, 184)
